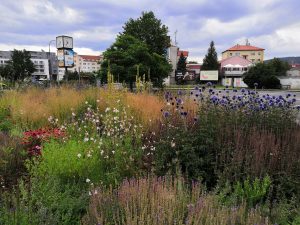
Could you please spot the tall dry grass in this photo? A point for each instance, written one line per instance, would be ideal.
(32, 107)
(161, 200)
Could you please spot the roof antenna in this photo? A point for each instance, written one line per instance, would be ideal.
(247, 42)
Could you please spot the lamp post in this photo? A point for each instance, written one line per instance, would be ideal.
(50, 69)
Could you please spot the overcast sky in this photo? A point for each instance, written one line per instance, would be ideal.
(94, 24)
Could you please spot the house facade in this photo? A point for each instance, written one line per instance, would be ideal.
(248, 52)
(232, 70)
(84, 63)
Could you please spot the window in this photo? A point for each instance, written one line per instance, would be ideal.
(42, 71)
(41, 62)
(252, 53)
(84, 63)
(230, 54)
(252, 60)
(258, 60)
(237, 53)
(244, 56)
(258, 53)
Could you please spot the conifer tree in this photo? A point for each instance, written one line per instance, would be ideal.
(210, 61)
(181, 65)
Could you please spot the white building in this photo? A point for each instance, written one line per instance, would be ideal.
(232, 70)
(83, 63)
(40, 61)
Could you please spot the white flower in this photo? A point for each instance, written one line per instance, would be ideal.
(73, 114)
(102, 152)
(95, 192)
(86, 102)
(172, 144)
(113, 152)
(79, 155)
(90, 193)
(107, 109)
(86, 139)
(87, 180)
(89, 155)
(98, 100)
(118, 100)
(168, 103)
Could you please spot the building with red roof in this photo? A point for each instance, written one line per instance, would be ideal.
(232, 70)
(185, 53)
(248, 52)
(87, 63)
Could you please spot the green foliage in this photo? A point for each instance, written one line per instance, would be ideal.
(210, 61)
(5, 121)
(126, 54)
(20, 66)
(150, 31)
(12, 159)
(280, 67)
(181, 64)
(44, 200)
(250, 192)
(263, 75)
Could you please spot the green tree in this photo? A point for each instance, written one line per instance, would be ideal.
(20, 66)
(181, 65)
(210, 61)
(280, 67)
(150, 31)
(126, 54)
(263, 75)
(6, 71)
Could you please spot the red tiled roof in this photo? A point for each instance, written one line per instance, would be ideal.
(90, 57)
(185, 53)
(244, 48)
(193, 66)
(235, 60)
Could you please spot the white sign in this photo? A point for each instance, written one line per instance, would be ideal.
(209, 75)
(64, 42)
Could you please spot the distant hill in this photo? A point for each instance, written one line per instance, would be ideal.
(290, 60)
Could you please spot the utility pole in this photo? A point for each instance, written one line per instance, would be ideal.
(49, 58)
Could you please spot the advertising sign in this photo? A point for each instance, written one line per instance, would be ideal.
(60, 58)
(65, 57)
(69, 57)
(209, 75)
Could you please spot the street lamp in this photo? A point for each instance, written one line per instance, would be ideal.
(50, 69)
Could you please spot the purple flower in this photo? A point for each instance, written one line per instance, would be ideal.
(166, 114)
(209, 84)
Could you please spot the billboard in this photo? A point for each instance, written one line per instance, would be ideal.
(209, 75)
(69, 57)
(60, 58)
(65, 57)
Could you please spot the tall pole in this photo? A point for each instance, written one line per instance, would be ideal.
(49, 58)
